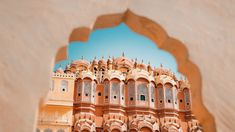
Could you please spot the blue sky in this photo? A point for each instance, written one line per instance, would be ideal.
(113, 41)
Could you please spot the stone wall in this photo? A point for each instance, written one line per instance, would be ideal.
(33, 31)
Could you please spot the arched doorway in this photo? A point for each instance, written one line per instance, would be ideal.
(145, 129)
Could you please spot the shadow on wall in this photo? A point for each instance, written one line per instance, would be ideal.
(157, 34)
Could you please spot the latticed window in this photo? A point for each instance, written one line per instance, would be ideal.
(186, 95)
(131, 90)
(79, 87)
(87, 88)
(169, 93)
(115, 89)
(64, 85)
(106, 88)
(160, 93)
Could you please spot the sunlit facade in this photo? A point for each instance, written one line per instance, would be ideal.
(117, 95)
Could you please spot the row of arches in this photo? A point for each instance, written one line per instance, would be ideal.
(85, 90)
(138, 92)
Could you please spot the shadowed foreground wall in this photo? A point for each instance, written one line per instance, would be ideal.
(32, 32)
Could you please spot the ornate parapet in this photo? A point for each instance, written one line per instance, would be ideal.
(137, 122)
(115, 122)
(84, 122)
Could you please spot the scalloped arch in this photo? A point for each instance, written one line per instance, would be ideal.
(157, 34)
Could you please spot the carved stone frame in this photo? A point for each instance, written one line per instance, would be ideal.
(157, 34)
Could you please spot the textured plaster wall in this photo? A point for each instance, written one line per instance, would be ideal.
(32, 31)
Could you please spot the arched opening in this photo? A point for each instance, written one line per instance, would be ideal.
(115, 130)
(145, 129)
(153, 31)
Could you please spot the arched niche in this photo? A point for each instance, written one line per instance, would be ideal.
(157, 34)
(145, 129)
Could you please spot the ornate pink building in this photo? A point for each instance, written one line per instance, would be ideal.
(117, 95)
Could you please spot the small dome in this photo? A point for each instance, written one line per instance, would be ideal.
(120, 61)
(163, 71)
(94, 62)
(109, 61)
(142, 66)
(81, 63)
(102, 61)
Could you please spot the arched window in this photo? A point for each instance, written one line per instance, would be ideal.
(131, 90)
(87, 88)
(64, 86)
(106, 89)
(187, 98)
(115, 90)
(142, 92)
(152, 91)
(60, 130)
(79, 87)
(48, 130)
(169, 93)
(160, 94)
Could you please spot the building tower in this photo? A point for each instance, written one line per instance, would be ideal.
(57, 114)
(117, 95)
(84, 98)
